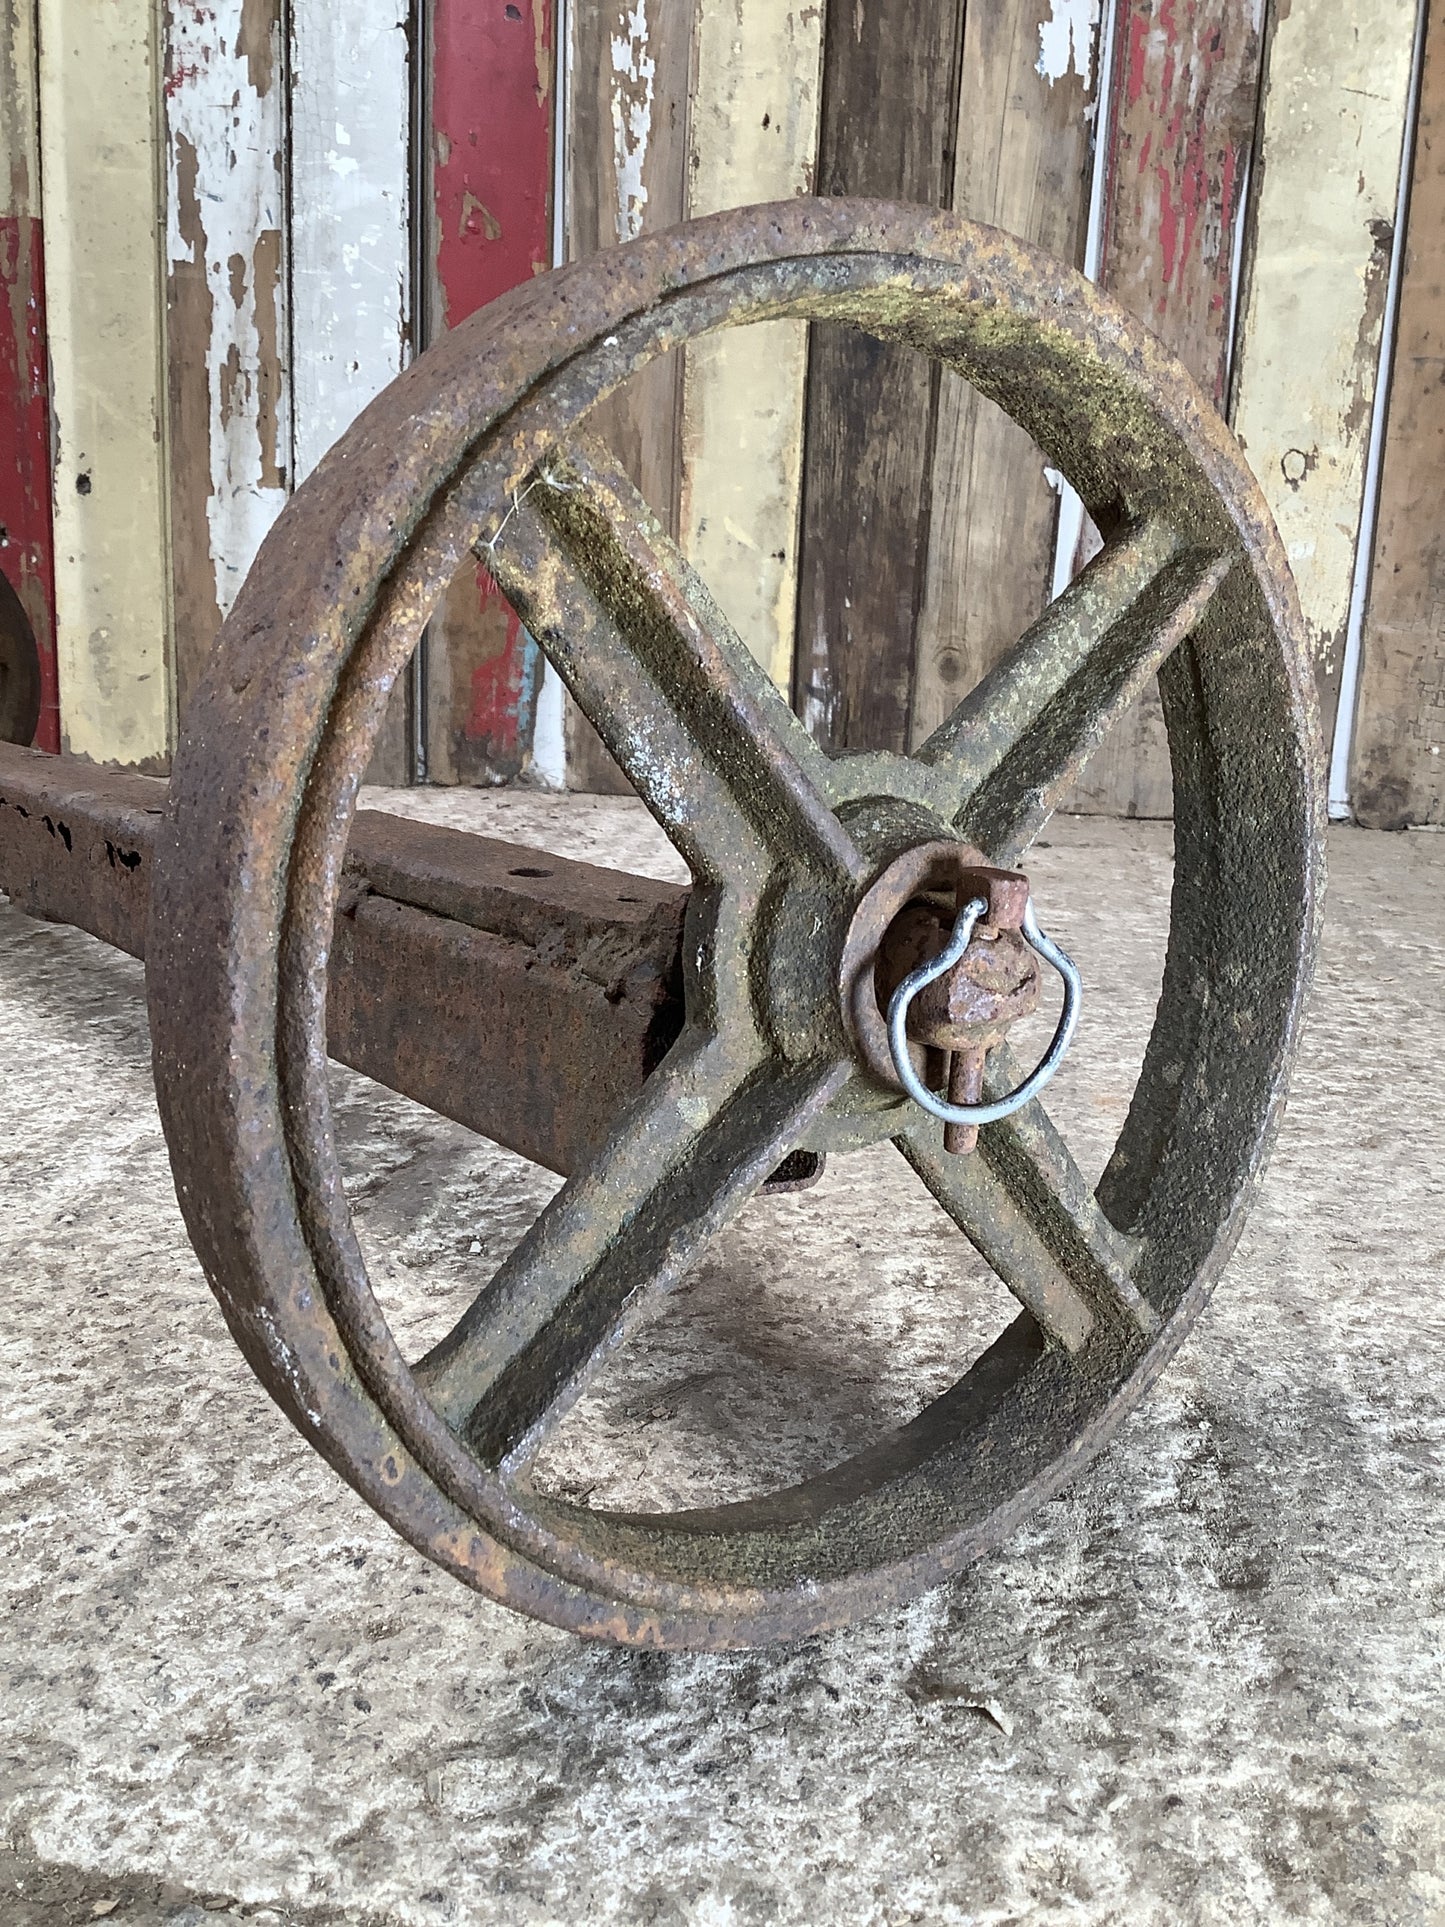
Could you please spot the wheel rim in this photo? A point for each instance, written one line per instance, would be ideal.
(477, 444)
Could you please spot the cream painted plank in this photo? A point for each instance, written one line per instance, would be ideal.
(753, 137)
(1334, 115)
(100, 170)
(350, 269)
(226, 293)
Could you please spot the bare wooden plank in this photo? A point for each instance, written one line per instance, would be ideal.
(350, 241)
(1396, 776)
(27, 555)
(753, 137)
(100, 173)
(227, 353)
(1317, 275)
(627, 145)
(889, 112)
(490, 227)
(1184, 105)
(1024, 164)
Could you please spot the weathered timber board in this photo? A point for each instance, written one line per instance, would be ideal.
(627, 145)
(889, 114)
(26, 549)
(1316, 282)
(753, 135)
(1184, 104)
(489, 226)
(227, 343)
(1024, 164)
(101, 187)
(1399, 737)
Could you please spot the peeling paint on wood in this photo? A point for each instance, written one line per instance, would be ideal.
(1067, 41)
(1317, 276)
(627, 149)
(1024, 164)
(490, 227)
(1398, 761)
(26, 550)
(227, 300)
(633, 72)
(753, 137)
(101, 192)
(1184, 106)
(491, 149)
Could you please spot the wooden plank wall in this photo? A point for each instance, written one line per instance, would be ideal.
(228, 239)
(1399, 736)
(101, 181)
(26, 548)
(489, 226)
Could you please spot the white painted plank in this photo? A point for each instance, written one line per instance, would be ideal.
(226, 254)
(350, 251)
(100, 191)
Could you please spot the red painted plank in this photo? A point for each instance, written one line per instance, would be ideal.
(26, 548)
(1186, 83)
(1186, 78)
(493, 64)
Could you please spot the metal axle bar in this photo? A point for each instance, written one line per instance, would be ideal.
(523, 995)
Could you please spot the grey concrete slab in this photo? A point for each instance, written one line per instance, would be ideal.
(1204, 1685)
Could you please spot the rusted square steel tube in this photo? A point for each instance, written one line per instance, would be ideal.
(524, 995)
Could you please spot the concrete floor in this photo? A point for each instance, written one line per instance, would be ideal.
(1205, 1685)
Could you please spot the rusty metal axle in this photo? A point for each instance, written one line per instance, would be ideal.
(524, 996)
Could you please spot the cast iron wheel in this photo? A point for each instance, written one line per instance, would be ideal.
(477, 447)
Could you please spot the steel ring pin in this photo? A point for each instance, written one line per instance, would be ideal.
(926, 973)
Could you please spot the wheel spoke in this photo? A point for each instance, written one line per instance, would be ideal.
(1014, 746)
(1027, 1209)
(676, 695)
(705, 1135)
